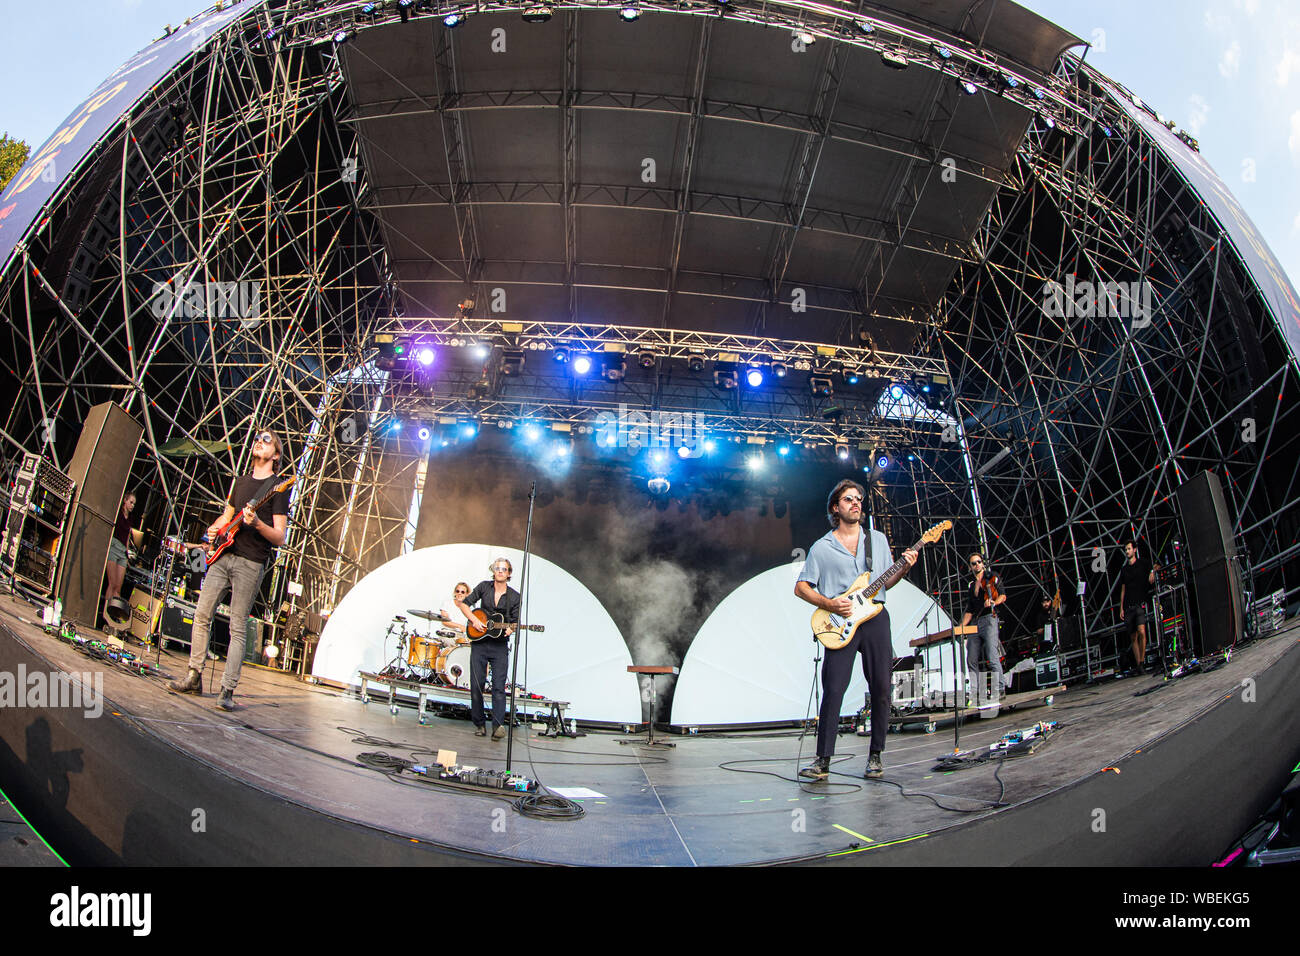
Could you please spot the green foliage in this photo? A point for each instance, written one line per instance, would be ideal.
(13, 153)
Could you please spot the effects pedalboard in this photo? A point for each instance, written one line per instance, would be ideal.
(474, 777)
(102, 651)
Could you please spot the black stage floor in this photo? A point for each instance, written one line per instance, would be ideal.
(1168, 777)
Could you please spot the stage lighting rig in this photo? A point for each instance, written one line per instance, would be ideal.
(512, 362)
(646, 358)
(695, 362)
(894, 59)
(821, 386)
(613, 366)
(537, 13)
(629, 13)
(725, 378)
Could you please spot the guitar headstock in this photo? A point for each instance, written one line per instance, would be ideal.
(935, 533)
(282, 486)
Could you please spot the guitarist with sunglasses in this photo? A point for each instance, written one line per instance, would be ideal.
(240, 570)
(834, 562)
(495, 597)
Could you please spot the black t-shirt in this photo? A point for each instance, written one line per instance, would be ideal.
(1133, 575)
(485, 595)
(249, 542)
(978, 594)
(122, 530)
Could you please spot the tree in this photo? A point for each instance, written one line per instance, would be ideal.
(13, 153)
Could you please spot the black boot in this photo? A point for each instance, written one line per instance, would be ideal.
(192, 684)
(226, 699)
(819, 769)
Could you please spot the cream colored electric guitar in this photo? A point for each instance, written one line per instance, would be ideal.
(835, 631)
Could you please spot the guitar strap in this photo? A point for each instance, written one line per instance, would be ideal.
(257, 495)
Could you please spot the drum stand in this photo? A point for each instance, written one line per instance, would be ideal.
(396, 667)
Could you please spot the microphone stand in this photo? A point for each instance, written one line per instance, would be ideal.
(514, 665)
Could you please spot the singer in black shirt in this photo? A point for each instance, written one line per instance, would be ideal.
(495, 597)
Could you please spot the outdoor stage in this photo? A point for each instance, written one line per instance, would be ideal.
(1175, 775)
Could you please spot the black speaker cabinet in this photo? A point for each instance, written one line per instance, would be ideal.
(1206, 520)
(100, 468)
(101, 464)
(1219, 611)
(1215, 580)
(83, 555)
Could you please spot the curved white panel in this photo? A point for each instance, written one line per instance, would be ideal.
(752, 660)
(581, 657)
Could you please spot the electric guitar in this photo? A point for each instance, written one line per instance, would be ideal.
(480, 625)
(225, 536)
(835, 631)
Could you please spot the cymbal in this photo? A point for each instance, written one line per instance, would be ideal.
(427, 615)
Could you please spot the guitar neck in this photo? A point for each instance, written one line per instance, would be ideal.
(893, 569)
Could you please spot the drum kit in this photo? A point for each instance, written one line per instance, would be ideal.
(438, 656)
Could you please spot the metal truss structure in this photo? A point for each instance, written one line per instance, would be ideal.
(1065, 433)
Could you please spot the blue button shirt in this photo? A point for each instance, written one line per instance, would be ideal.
(831, 570)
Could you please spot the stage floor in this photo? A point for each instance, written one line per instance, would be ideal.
(154, 762)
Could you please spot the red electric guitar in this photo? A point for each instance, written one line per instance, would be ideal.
(225, 536)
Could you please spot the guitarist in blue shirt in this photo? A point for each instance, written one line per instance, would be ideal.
(495, 597)
(834, 562)
(240, 571)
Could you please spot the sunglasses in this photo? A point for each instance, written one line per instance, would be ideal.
(852, 499)
(266, 438)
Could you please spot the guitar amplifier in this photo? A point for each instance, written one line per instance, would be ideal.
(177, 622)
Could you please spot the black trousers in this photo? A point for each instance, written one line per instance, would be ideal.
(874, 642)
(480, 653)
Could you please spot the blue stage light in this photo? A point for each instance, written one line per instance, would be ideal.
(452, 20)
(395, 426)
(710, 446)
(468, 430)
(532, 433)
(684, 451)
(582, 365)
(425, 355)
(783, 448)
(896, 391)
(882, 462)
(754, 377)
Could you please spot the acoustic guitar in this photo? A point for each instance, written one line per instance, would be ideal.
(481, 625)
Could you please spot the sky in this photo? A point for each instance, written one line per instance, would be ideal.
(1227, 71)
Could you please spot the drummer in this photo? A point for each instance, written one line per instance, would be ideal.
(454, 619)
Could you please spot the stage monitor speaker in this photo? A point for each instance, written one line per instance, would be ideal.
(1206, 520)
(83, 556)
(101, 464)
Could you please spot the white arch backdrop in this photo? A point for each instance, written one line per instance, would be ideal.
(752, 660)
(581, 657)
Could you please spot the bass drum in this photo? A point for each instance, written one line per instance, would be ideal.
(453, 666)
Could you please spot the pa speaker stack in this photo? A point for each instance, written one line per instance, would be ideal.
(1214, 578)
(100, 468)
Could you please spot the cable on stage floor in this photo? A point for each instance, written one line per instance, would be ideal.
(545, 806)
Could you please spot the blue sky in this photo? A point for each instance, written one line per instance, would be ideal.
(1228, 71)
